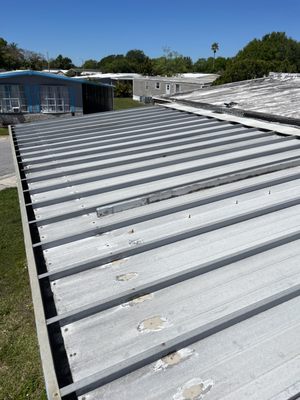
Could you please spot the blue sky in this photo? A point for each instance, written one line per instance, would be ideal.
(94, 29)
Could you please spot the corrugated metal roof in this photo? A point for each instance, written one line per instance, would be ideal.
(167, 252)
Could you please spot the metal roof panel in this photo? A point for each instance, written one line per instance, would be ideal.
(166, 249)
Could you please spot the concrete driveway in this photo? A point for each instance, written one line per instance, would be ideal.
(7, 172)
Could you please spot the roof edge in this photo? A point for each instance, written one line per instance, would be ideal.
(278, 127)
(9, 74)
(47, 363)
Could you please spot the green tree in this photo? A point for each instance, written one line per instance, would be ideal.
(275, 46)
(61, 62)
(172, 63)
(90, 64)
(33, 60)
(139, 62)
(114, 63)
(13, 57)
(3, 49)
(210, 65)
(123, 89)
(214, 48)
(273, 52)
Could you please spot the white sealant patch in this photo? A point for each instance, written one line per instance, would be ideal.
(173, 359)
(135, 242)
(195, 389)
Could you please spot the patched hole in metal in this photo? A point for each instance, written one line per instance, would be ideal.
(126, 277)
(195, 389)
(117, 262)
(173, 359)
(152, 324)
(138, 300)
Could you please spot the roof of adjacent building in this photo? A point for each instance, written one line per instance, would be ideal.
(204, 78)
(163, 251)
(115, 76)
(193, 75)
(55, 71)
(12, 74)
(277, 94)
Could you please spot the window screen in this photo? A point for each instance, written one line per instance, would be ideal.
(54, 99)
(12, 99)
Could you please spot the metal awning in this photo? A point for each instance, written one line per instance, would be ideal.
(163, 249)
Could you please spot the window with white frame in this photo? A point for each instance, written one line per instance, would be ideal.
(54, 99)
(157, 85)
(12, 99)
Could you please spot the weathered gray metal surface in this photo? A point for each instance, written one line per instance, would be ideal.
(141, 263)
(276, 94)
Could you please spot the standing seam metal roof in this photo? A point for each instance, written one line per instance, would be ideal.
(166, 249)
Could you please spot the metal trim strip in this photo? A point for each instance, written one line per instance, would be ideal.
(40, 321)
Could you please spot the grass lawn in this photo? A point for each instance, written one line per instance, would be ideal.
(3, 131)
(122, 103)
(20, 370)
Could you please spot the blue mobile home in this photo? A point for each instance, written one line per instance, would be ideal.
(32, 95)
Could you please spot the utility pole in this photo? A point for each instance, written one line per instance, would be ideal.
(48, 61)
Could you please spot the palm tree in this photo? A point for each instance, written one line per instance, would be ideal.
(214, 48)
